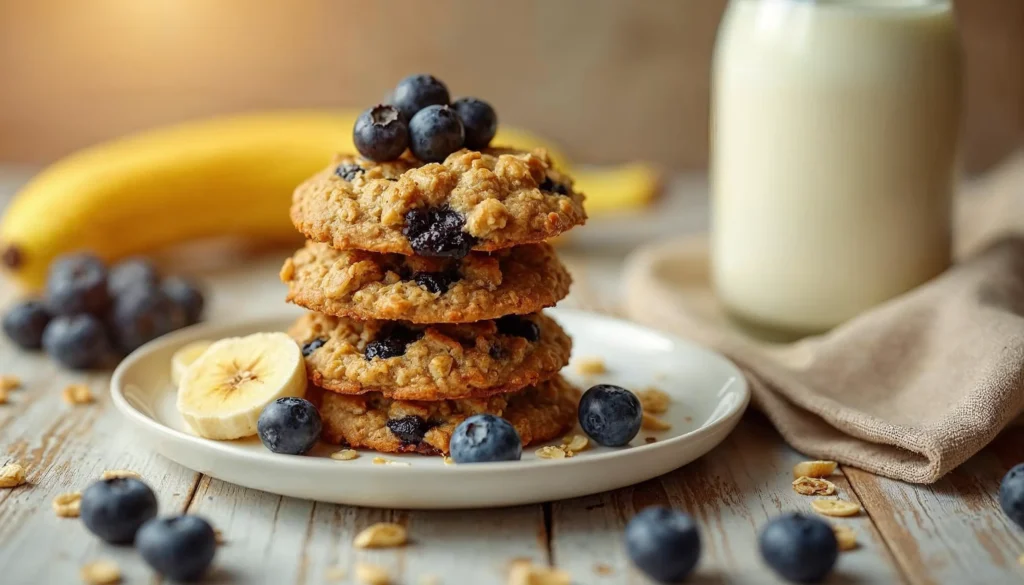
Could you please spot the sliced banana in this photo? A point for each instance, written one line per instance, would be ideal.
(223, 392)
(184, 357)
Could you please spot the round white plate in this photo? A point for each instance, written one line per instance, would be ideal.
(709, 395)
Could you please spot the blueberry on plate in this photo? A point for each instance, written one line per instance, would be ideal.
(25, 322)
(130, 273)
(437, 231)
(1011, 494)
(181, 547)
(416, 92)
(479, 121)
(289, 425)
(77, 284)
(380, 133)
(140, 315)
(114, 509)
(78, 342)
(186, 295)
(485, 437)
(663, 543)
(434, 133)
(610, 415)
(798, 547)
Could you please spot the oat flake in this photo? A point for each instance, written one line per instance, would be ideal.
(77, 394)
(381, 535)
(551, 452)
(372, 575)
(67, 505)
(812, 486)
(101, 573)
(845, 537)
(840, 508)
(591, 366)
(653, 423)
(345, 455)
(814, 469)
(654, 400)
(121, 474)
(12, 475)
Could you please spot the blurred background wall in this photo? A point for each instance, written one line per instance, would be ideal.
(610, 80)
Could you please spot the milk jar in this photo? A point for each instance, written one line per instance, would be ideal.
(834, 139)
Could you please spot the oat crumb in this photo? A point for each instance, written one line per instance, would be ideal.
(8, 382)
(67, 505)
(381, 535)
(814, 469)
(372, 575)
(603, 569)
(77, 394)
(218, 537)
(845, 536)
(526, 573)
(591, 366)
(12, 475)
(100, 573)
(448, 460)
(383, 461)
(653, 423)
(345, 455)
(654, 400)
(551, 452)
(813, 486)
(121, 474)
(838, 508)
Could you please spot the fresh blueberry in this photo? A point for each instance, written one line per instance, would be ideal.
(479, 121)
(289, 425)
(130, 273)
(434, 133)
(548, 185)
(380, 133)
(519, 327)
(798, 547)
(437, 231)
(663, 543)
(185, 295)
(391, 343)
(140, 315)
(181, 548)
(1011, 494)
(78, 342)
(114, 509)
(309, 348)
(349, 171)
(77, 284)
(410, 429)
(25, 323)
(416, 92)
(435, 282)
(485, 437)
(610, 415)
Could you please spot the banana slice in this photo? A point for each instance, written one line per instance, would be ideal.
(223, 392)
(184, 357)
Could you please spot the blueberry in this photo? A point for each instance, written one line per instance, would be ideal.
(25, 323)
(479, 121)
(437, 231)
(610, 415)
(181, 547)
(77, 284)
(114, 509)
(309, 348)
(140, 315)
(485, 437)
(548, 185)
(289, 425)
(380, 133)
(800, 548)
(391, 343)
(78, 342)
(519, 327)
(435, 282)
(410, 429)
(187, 296)
(349, 171)
(663, 543)
(1011, 494)
(434, 133)
(130, 273)
(416, 92)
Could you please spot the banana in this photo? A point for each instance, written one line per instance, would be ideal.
(223, 392)
(184, 357)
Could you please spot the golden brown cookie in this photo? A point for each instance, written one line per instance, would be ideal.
(539, 413)
(430, 362)
(485, 201)
(368, 285)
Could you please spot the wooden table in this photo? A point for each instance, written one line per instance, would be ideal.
(951, 532)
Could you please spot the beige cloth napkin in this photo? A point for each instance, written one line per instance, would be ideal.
(908, 390)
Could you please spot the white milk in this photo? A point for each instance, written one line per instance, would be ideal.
(834, 133)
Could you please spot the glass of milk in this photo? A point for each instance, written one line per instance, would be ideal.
(834, 146)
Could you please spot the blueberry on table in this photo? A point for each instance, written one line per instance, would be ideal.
(484, 437)
(380, 133)
(140, 315)
(663, 543)
(799, 548)
(181, 547)
(437, 231)
(130, 273)
(114, 509)
(434, 133)
(416, 92)
(186, 295)
(289, 425)
(77, 284)
(78, 342)
(610, 415)
(479, 120)
(25, 322)
(1011, 494)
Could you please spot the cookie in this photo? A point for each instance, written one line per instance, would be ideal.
(368, 285)
(485, 201)
(430, 362)
(539, 413)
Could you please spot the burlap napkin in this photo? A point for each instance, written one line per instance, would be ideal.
(908, 390)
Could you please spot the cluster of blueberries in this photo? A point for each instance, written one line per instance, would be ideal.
(88, 314)
(420, 116)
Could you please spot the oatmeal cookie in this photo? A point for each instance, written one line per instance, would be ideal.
(430, 362)
(485, 201)
(368, 285)
(539, 413)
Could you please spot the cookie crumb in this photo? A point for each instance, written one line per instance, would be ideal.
(77, 394)
(448, 460)
(591, 366)
(8, 382)
(345, 455)
(603, 569)
(100, 573)
(287, 271)
(526, 573)
(653, 423)
(845, 536)
(550, 452)
(381, 535)
(12, 475)
(67, 505)
(372, 574)
(813, 486)
(334, 573)
(654, 400)
(838, 508)
(121, 474)
(383, 461)
(650, 440)
(814, 469)
(218, 537)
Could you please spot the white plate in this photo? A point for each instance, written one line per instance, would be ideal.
(709, 396)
